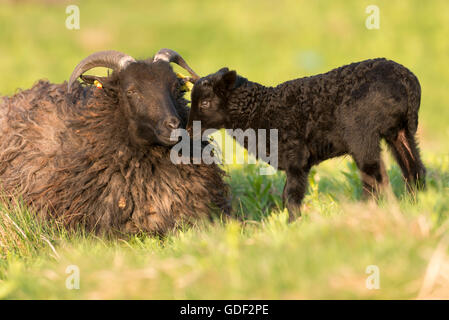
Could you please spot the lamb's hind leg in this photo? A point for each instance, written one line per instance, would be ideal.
(372, 168)
(374, 178)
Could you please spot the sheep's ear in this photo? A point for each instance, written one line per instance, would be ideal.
(100, 82)
(227, 79)
(93, 80)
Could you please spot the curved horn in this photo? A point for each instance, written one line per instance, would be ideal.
(172, 56)
(109, 59)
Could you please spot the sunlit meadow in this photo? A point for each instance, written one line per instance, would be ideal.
(257, 254)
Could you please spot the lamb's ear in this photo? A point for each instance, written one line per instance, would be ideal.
(227, 79)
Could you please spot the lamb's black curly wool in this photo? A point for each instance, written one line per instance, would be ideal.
(345, 111)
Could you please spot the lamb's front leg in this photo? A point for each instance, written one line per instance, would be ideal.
(294, 190)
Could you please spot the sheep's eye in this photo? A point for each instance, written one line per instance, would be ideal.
(205, 104)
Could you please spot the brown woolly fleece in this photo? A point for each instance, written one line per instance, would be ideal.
(72, 160)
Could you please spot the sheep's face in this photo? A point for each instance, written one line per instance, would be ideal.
(149, 92)
(209, 99)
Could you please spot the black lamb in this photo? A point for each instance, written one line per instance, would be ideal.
(347, 110)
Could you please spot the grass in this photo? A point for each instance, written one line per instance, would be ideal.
(326, 253)
(323, 255)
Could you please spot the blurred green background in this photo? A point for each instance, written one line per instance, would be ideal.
(322, 255)
(267, 41)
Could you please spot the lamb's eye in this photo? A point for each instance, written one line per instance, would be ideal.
(205, 104)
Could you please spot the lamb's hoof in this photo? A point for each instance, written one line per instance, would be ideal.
(293, 214)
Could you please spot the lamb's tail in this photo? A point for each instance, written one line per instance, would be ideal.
(414, 102)
(404, 145)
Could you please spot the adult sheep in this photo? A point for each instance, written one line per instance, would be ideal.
(100, 157)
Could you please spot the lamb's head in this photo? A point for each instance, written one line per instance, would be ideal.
(209, 99)
(147, 92)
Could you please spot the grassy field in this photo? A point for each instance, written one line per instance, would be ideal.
(330, 251)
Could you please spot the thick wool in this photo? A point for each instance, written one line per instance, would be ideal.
(346, 111)
(72, 160)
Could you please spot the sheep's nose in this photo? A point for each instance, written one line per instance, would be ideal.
(172, 123)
